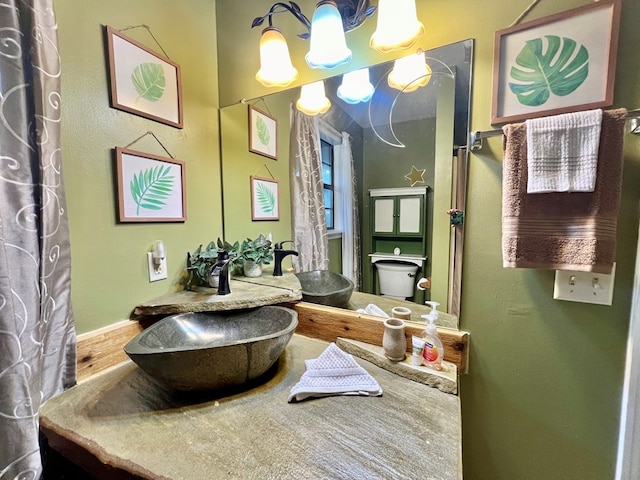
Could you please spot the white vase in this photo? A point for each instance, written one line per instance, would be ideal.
(252, 269)
(394, 341)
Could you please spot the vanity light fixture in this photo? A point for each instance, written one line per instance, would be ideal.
(398, 26)
(409, 73)
(328, 47)
(276, 69)
(356, 87)
(313, 99)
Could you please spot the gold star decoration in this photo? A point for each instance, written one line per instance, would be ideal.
(415, 175)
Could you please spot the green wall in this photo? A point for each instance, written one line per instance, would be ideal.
(542, 399)
(109, 263)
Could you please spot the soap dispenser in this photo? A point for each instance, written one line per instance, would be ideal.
(433, 349)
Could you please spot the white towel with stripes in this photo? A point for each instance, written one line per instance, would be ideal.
(562, 152)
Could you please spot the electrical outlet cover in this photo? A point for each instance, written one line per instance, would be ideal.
(156, 274)
(585, 287)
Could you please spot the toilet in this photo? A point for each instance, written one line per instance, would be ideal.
(396, 275)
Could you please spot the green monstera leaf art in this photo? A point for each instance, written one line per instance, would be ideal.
(263, 131)
(149, 81)
(150, 188)
(266, 198)
(558, 70)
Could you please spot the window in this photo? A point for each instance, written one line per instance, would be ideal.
(328, 176)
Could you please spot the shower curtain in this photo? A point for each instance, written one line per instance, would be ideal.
(37, 335)
(307, 195)
(351, 222)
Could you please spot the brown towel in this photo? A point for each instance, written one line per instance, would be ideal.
(562, 231)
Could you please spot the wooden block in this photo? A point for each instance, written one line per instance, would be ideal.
(103, 348)
(329, 323)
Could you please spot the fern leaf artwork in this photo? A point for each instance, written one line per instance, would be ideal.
(150, 188)
(266, 198)
(149, 81)
(263, 131)
(553, 65)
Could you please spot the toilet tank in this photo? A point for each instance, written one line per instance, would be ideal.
(396, 278)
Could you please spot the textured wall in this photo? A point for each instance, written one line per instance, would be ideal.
(109, 271)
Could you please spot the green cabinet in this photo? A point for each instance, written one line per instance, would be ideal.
(398, 212)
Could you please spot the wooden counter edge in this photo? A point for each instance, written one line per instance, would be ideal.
(329, 323)
(103, 348)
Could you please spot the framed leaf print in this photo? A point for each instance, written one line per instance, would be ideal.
(143, 82)
(265, 203)
(150, 188)
(263, 133)
(557, 64)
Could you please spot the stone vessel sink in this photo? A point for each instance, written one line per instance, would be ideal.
(213, 350)
(325, 287)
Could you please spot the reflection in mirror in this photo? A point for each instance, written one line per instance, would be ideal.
(432, 124)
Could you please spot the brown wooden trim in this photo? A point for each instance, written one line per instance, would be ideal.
(329, 323)
(103, 348)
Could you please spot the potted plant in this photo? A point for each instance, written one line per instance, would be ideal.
(254, 254)
(201, 262)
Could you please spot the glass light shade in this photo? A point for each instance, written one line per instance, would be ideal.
(276, 69)
(409, 73)
(328, 47)
(313, 99)
(398, 26)
(356, 87)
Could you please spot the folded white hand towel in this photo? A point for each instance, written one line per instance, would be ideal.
(562, 152)
(334, 372)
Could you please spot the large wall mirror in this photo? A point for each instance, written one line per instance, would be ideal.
(392, 136)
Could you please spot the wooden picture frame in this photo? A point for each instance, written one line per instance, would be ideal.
(150, 188)
(265, 199)
(143, 82)
(263, 133)
(538, 70)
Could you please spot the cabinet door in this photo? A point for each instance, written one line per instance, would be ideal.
(410, 212)
(383, 215)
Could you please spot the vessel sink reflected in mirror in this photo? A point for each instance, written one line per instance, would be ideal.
(325, 287)
(213, 350)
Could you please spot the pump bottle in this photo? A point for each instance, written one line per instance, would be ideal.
(433, 349)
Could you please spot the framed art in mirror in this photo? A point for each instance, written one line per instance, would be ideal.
(150, 188)
(557, 64)
(265, 203)
(143, 82)
(263, 133)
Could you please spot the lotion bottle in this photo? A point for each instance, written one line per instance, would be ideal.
(433, 349)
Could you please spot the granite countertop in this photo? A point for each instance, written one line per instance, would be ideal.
(127, 421)
(361, 300)
(245, 293)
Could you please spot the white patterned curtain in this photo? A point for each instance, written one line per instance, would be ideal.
(307, 195)
(37, 335)
(351, 222)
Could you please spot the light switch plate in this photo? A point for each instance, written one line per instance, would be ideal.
(584, 287)
(160, 273)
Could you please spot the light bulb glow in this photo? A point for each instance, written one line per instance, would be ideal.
(398, 26)
(356, 87)
(276, 69)
(328, 47)
(409, 73)
(313, 99)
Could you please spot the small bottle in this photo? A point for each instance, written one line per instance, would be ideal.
(433, 349)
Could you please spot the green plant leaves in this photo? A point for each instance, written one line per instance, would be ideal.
(151, 187)
(149, 81)
(559, 70)
(266, 199)
(263, 131)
